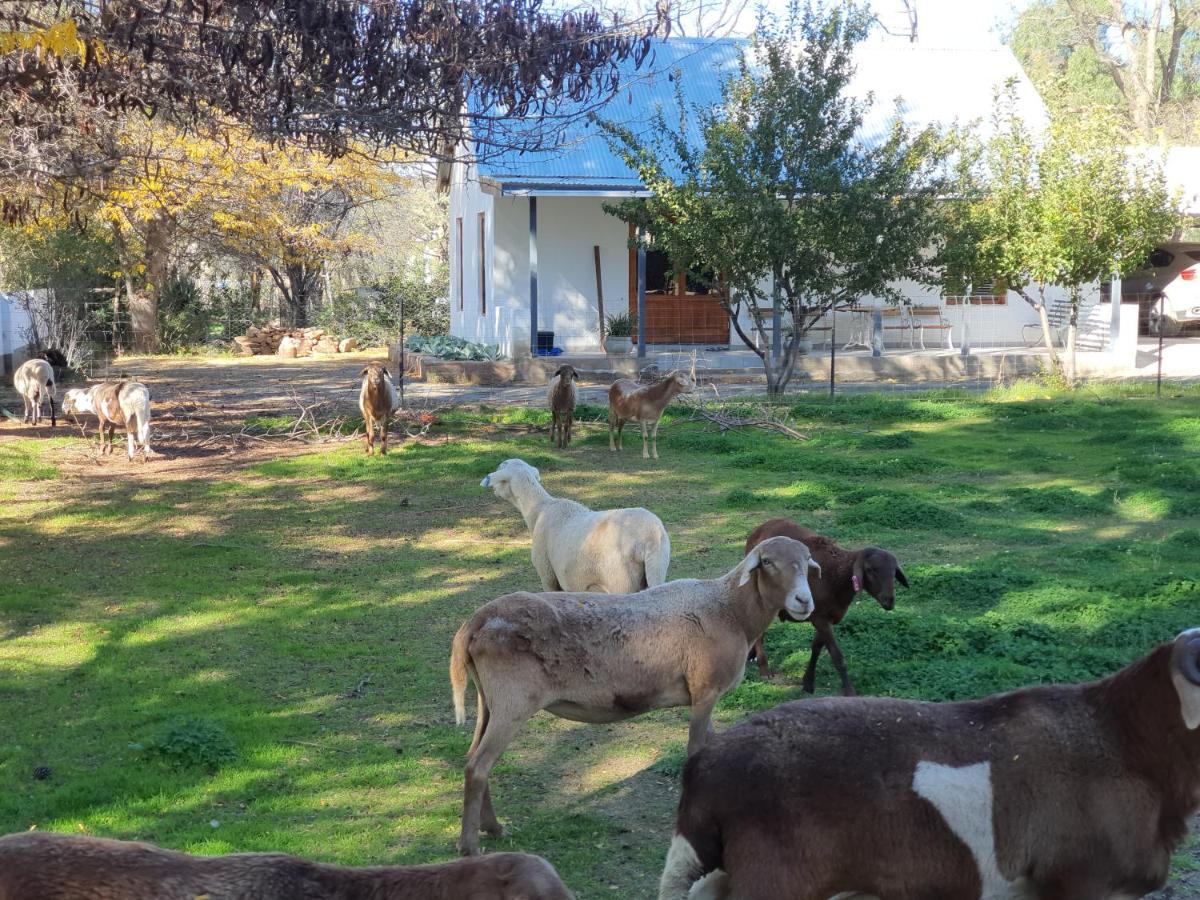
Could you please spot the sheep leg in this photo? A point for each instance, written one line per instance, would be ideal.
(383, 431)
(496, 737)
(700, 724)
(839, 662)
(488, 822)
(129, 445)
(760, 654)
(613, 431)
(545, 570)
(810, 674)
(569, 422)
(645, 454)
(370, 435)
(654, 439)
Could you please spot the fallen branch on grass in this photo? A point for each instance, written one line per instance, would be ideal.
(742, 415)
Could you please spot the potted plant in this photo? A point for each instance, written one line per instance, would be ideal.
(618, 334)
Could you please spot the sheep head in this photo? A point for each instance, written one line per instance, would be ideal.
(782, 566)
(509, 476)
(683, 384)
(376, 373)
(567, 371)
(876, 571)
(77, 400)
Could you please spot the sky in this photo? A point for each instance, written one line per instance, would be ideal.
(953, 23)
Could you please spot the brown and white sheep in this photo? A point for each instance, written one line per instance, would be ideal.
(844, 574)
(115, 403)
(608, 657)
(562, 397)
(1058, 792)
(43, 866)
(377, 399)
(615, 551)
(630, 402)
(34, 381)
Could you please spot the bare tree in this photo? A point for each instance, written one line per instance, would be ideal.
(1139, 46)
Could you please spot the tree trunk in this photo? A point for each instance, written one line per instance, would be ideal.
(297, 283)
(158, 272)
(1047, 334)
(1072, 331)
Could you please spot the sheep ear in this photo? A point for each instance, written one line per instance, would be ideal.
(364, 372)
(487, 481)
(857, 571)
(749, 564)
(901, 577)
(813, 564)
(1189, 661)
(574, 375)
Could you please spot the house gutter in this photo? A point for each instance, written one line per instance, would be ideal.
(518, 189)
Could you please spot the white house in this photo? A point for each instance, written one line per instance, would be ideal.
(14, 324)
(532, 249)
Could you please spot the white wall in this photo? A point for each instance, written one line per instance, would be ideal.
(14, 322)
(568, 229)
(468, 201)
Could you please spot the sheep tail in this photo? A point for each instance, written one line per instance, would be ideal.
(656, 560)
(458, 673)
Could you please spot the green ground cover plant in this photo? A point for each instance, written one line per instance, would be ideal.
(257, 660)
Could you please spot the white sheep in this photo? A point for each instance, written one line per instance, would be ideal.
(34, 381)
(615, 551)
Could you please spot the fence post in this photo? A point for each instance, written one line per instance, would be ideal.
(877, 332)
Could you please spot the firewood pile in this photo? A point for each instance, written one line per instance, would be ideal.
(290, 342)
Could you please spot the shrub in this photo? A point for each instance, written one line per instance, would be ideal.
(371, 313)
(450, 347)
(183, 320)
(193, 742)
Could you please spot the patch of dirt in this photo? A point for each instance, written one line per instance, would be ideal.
(199, 412)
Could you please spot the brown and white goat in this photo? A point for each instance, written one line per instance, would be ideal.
(124, 404)
(630, 402)
(43, 866)
(34, 381)
(608, 657)
(377, 399)
(1059, 792)
(562, 397)
(844, 574)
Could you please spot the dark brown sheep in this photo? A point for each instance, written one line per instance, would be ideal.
(562, 397)
(1057, 792)
(43, 866)
(843, 574)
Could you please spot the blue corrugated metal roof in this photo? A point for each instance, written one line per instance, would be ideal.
(936, 86)
(577, 155)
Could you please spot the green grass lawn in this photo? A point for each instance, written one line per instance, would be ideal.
(257, 661)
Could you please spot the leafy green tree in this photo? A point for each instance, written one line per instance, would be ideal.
(1138, 59)
(1071, 210)
(780, 198)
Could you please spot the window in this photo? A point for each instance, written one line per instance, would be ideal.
(458, 235)
(662, 278)
(482, 257)
(986, 293)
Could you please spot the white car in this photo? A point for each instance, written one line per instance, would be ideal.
(1171, 275)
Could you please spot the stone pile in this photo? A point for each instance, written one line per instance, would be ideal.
(290, 342)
